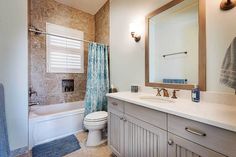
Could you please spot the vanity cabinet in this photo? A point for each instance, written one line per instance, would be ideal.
(137, 131)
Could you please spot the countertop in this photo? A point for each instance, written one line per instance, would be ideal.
(219, 115)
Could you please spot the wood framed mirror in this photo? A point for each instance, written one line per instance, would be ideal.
(175, 45)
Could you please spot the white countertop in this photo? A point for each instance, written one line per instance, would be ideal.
(219, 115)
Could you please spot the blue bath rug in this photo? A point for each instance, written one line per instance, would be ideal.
(57, 148)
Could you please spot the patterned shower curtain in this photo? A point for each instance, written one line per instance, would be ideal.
(97, 79)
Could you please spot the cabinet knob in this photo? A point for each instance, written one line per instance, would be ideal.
(125, 120)
(121, 118)
(170, 142)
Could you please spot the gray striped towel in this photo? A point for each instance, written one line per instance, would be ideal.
(228, 69)
(4, 145)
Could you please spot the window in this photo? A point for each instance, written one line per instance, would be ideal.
(64, 55)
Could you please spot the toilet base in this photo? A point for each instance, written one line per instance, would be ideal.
(94, 138)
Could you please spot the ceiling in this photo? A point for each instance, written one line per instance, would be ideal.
(89, 6)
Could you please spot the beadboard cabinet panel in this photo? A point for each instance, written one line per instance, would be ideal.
(143, 139)
(116, 132)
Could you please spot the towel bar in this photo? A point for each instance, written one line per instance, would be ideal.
(171, 54)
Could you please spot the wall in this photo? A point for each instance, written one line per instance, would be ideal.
(102, 24)
(127, 57)
(220, 32)
(14, 69)
(48, 85)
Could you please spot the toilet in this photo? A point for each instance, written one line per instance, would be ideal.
(95, 122)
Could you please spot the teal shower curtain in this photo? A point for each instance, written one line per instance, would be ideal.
(97, 78)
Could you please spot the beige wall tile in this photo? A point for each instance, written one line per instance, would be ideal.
(48, 85)
(102, 27)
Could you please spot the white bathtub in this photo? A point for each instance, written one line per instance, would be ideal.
(50, 122)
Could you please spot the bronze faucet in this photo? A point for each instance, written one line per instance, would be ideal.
(165, 92)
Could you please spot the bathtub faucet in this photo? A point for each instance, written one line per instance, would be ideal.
(34, 103)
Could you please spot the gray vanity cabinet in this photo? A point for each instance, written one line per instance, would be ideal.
(179, 147)
(137, 131)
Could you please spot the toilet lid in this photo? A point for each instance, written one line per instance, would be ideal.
(97, 116)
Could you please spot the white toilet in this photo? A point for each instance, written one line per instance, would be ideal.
(95, 122)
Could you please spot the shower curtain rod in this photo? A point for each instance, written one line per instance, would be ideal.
(38, 32)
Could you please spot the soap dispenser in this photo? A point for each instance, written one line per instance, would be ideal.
(196, 94)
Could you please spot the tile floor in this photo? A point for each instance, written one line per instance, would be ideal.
(101, 151)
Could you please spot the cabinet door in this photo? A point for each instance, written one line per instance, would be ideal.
(179, 147)
(143, 139)
(116, 132)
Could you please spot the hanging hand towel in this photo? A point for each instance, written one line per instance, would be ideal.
(4, 145)
(228, 69)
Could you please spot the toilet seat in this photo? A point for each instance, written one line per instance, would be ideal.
(96, 116)
(89, 123)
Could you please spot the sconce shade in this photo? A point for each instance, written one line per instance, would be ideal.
(135, 31)
(227, 4)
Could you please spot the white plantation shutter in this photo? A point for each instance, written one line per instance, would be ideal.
(64, 55)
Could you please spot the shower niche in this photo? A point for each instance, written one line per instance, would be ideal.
(68, 85)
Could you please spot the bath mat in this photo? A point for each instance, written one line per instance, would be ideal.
(57, 148)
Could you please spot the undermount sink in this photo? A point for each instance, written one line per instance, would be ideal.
(156, 99)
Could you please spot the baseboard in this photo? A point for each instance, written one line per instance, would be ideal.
(19, 151)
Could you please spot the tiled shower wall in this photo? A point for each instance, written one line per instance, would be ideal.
(48, 85)
(102, 24)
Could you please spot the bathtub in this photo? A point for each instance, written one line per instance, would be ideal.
(50, 122)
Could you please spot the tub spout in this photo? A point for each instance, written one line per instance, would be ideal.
(34, 103)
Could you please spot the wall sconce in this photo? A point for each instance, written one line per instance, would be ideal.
(135, 31)
(227, 4)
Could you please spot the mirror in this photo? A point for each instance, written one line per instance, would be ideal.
(176, 45)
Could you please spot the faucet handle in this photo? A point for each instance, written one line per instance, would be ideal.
(158, 91)
(31, 92)
(174, 94)
(165, 92)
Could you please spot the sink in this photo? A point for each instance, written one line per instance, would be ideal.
(156, 99)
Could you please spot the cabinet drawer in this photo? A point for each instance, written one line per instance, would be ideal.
(217, 139)
(116, 104)
(180, 147)
(150, 116)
